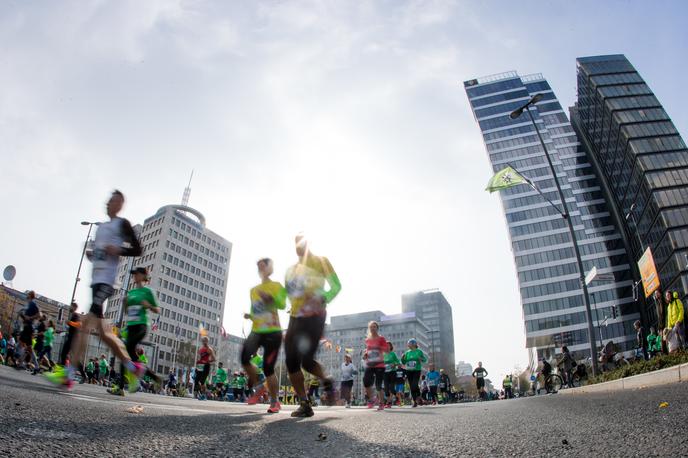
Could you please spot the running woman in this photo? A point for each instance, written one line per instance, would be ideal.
(374, 356)
(391, 364)
(140, 300)
(305, 282)
(445, 386)
(479, 374)
(113, 239)
(348, 372)
(47, 352)
(266, 299)
(414, 358)
(206, 356)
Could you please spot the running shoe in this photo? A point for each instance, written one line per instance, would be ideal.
(381, 407)
(274, 407)
(348, 405)
(132, 378)
(371, 404)
(256, 396)
(305, 410)
(415, 404)
(60, 377)
(116, 391)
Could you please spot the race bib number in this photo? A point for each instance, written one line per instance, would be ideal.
(134, 311)
(388, 368)
(99, 254)
(200, 368)
(442, 385)
(411, 364)
(374, 356)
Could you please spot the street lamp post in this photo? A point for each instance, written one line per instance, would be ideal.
(83, 252)
(565, 214)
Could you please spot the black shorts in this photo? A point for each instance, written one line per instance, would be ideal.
(26, 336)
(101, 292)
(373, 374)
(480, 382)
(201, 376)
(271, 344)
(301, 342)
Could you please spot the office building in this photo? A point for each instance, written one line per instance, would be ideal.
(551, 294)
(463, 369)
(433, 309)
(229, 351)
(643, 163)
(188, 266)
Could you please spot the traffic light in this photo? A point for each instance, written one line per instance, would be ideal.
(614, 311)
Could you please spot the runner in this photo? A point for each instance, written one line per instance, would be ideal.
(414, 358)
(206, 356)
(480, 373)
(348, 372)
(103, 369)
(72, 327)
(28, 315)
(220, 380)
(391, 364)
(139, 301)
(39, 344)
(374, 356)
(47, 352)
(433, 378)
(266, 299)
(445, 386)
(305, 282)
(400, 384)
(113, 239)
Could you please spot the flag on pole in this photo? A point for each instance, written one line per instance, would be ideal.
(154, 327)
(201, 330)
(505, 178)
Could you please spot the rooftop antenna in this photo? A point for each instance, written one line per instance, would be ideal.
(187, 191)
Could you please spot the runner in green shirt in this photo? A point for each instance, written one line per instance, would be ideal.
(392, 362)
(220, 380)
(46, 353)
(414, 358)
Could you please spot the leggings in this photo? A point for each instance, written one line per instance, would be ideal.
(389, 384)
(413, 378)
(135, 334)
(67, 346)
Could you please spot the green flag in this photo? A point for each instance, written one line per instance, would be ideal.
(505, 178)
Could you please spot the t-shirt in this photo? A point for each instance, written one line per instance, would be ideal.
(480, 372)
(221, 375)
(137, 313)
(143, 359)
(31, 309)
(49, 335)
(399, 376)
(103, 366)
(40, 329)
(90, 367)
(391, 361)
(264, 315)
(375, 349)
(348, 372)
(74, 323)
(240, 382)
(433, 378)
(116, 232)
(413, 359)
(305, 282)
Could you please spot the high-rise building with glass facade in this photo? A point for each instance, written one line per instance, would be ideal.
(551, 293)
(643, 163)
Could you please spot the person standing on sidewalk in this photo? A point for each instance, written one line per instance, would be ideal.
(640, 339)
(654, 343)
(675, 315)
(348, 372)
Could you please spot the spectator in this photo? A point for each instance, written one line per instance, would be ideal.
(567, 364)
(640, 339)
(654, 343)
(675, 314)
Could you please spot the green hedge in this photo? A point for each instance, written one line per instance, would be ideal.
(641, 367)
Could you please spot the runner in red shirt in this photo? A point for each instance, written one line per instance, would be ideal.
(376, 346)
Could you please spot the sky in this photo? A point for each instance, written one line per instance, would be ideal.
(346, 120)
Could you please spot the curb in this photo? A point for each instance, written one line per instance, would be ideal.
(674, 374)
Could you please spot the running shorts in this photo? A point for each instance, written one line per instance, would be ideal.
(375, 374)
(301, 342)
(201, 376)
(26, 336)
(399, 388)
(271, 344)
(480, 382)
(101, 292)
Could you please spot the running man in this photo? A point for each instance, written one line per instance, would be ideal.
(113, 239)
(433, 378)
(28, 315)
(206, 356)
(38, 343)
(414, 358)
(374, 356)
(140, 300)
(266, 299)
(72, 327)
(221, 380)
(305, 282)
(391, 364)
(445, 386)
(479, 374)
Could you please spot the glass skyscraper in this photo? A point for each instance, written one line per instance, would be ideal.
(643, 163)
(551, 293)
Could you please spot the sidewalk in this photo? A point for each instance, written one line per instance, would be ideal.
(674, 374)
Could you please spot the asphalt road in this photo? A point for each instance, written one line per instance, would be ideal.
(38, 420)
